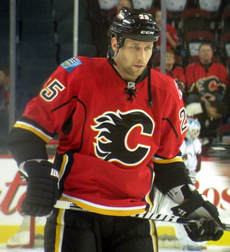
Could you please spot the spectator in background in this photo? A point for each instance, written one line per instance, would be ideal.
(22, 97)
(4, 88)
(113, 12)
(171, 33)
(4, 107)
(210, 116)
(226, 100)
(109, 9)
(124, 3)
(146, 4)
(206, 79)
(173, 69)
(105, 7)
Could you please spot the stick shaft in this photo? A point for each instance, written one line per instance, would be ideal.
(150, 216)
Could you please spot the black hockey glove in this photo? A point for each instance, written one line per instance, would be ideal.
(42, 189)
(209, 226)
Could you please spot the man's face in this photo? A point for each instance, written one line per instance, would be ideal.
(205, 54)
(169, 58)
(132, 58)
(158, 18)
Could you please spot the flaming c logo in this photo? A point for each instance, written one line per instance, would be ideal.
(210, 84)
(123, 137)
(213, 85)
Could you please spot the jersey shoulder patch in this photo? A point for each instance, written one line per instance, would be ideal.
(71, 64)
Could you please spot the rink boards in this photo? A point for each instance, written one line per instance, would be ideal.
(213, 181)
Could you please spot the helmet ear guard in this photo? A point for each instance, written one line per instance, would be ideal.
(120, 43)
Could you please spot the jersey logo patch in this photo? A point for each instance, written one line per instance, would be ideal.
(209, 84)
(123, 137)
(71, 64)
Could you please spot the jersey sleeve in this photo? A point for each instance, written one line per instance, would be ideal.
(173, 125)
(43, 117)
(168, 163)
(46, 114)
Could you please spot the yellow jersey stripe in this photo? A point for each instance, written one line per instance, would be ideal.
(63, 167)
(105, 210)
(59, 231)
(167, 161)
(153, 234)
(33, 129)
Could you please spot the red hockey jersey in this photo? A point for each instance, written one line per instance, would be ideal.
(206, 80)
(106, 142)
(177, 73)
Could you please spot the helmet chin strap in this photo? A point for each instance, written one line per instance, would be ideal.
(111, 54)
(120, 43)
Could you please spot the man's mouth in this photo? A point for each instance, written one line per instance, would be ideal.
(138, 66)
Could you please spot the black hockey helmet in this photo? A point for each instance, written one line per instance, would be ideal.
(136, 24)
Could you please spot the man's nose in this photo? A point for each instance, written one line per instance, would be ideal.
(141, 54)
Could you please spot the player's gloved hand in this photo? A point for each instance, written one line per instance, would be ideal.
(42, 189)
(209, 226)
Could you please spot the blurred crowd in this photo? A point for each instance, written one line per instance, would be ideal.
(198, 64)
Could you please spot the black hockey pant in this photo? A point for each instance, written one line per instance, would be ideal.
(75, 231)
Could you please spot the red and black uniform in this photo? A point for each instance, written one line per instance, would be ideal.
(110, 148)
(177, 73)
(207, 79)
(173, 33)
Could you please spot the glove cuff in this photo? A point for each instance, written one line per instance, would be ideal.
(42, 169)
(21, 166)
(188, 205)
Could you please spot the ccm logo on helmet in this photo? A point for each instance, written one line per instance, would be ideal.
(146, 32)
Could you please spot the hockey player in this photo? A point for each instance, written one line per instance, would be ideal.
(191, 148)
(120, 126)
(191, 154)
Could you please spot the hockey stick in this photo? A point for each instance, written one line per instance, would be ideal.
(151, 216)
